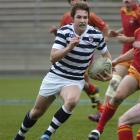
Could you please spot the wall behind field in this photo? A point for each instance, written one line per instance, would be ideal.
(25, 41)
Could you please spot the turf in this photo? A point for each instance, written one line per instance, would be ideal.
(18, 96)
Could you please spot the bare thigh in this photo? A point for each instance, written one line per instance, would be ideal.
(127, 87)
(41, 105)
(131, 117)
(121, 70)
(71, 95)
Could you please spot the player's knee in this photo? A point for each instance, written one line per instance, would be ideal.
(117, 99)
(71, 103)
(112, 88)
(35, 113)
(113, 85)
(122, 120)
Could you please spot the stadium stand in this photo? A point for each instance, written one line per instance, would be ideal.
(24, 38)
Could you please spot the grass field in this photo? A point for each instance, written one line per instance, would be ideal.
(17, 96)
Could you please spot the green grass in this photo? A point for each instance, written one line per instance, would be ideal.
(76, 128)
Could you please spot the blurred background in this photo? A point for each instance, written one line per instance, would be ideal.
(25, 44)
(25, 41)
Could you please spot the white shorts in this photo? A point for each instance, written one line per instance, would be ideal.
(52, 84)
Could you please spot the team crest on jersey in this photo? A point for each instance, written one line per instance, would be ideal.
(91, 39)
(71, 35)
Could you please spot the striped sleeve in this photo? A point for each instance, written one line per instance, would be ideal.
(102, 45)
(60, 40)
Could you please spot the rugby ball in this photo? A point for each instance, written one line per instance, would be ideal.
(100, 65)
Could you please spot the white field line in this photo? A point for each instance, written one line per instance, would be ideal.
(28, 101)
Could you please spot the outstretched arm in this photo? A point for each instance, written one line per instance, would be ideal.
(127, 56)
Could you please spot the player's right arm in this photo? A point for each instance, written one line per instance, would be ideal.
(58, 54)
(125, 39)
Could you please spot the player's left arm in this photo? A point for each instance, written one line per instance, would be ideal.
(105, 31)
(102, 47)
(105, 53)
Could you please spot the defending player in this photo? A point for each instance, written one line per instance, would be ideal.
(130, 19)
(132, 82)
(132, 116)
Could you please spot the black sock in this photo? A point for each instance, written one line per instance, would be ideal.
(27, 123)
(60, 117)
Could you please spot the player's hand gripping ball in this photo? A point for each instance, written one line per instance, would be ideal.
(100, 65)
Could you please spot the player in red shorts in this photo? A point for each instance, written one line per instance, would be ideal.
(132, 116)
(130, 19)
(91, 90)
(131, 81)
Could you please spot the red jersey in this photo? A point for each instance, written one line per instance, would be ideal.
(94, 20)
(66, 19)
(136, 59)
(130, 22)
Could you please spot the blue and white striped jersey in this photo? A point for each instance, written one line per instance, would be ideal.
(75, 63)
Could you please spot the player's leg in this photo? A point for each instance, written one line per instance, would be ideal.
(70, 95)
(113, 84)
(118, 74)
(44, 99)
(122, 92)
(92, 91)
(131, 117)
(94, 95)
(41, 104)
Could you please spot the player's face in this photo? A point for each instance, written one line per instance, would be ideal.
(80, 21)
(129, 3)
